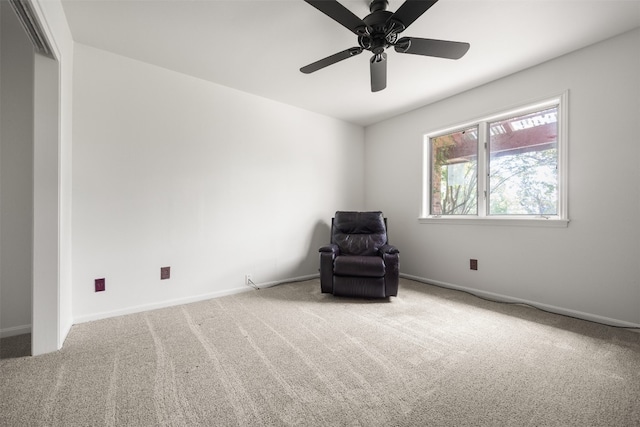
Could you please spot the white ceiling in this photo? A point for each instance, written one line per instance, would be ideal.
(259, 46)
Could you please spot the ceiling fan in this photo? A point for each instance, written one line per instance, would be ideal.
(378, 31)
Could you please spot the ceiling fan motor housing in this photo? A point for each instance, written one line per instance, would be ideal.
(379, 34)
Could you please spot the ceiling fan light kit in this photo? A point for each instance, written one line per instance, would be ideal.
(378, 31)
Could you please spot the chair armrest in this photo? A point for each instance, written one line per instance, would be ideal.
(388, 249)
(391, 256)
(328, 254)
(332, 248)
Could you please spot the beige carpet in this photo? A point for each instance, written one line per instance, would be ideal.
(289, 355)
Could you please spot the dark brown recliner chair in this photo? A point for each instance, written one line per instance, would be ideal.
(359, 261)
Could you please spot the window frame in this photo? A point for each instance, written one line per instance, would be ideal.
(561, 219)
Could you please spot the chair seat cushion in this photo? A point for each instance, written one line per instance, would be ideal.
(356, 265)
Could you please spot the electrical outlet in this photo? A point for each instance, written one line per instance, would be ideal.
(100, 285)
(247, 279)
(165, 273)
(473, 264)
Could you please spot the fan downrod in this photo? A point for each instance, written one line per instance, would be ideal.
(377, 5)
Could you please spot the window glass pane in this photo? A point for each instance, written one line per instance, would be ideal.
(454, 173)
(523, 164)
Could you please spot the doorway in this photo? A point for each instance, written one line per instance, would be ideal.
(29, 181)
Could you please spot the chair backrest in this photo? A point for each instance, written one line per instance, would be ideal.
(359, 233)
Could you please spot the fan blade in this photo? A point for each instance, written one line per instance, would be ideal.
(378, 72)
(330, 60)
(431, 47)
(340, 14)
(410, 11)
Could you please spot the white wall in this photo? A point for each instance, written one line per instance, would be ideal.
(16, 174)
(45, 335)
(56, 79)
(590, 269)
(170, 170)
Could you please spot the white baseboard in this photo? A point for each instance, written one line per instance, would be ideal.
(157, 305)
(185, 300)
(546, 307)
(15, 330)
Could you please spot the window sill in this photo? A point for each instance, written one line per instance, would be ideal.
(497, 221)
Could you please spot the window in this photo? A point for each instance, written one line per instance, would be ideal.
(454, 173)
(508, 168)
